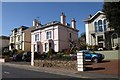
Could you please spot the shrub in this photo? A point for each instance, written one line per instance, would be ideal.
(14, 51)
(51, 52)
(20, 51)
(93, 47)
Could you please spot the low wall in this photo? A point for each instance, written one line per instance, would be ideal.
(56, 64)
(2, 60)
(111, 54)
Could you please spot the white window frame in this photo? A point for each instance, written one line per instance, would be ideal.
(36, 37)
(48, 35)
(46, 47)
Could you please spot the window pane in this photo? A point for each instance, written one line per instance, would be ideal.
(100, 25)
(95, 25)
(37, 37)
(46, 46)
(38, 48)
(100, 38)
(70, 36)
(34, 48)
(104, 25)
(48, 35)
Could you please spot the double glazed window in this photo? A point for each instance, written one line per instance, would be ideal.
(11, 39)
(46, 46)
(95, 24)
(105, 25)
(48, 35)
(100, 38)
(70, 35)
(37, 37)
(18, 38)
(100, 25)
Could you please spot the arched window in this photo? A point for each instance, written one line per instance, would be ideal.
(100, 26)
(114, 37)
(105, 24)
(95, 26)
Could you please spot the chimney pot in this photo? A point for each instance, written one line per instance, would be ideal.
(63, 18)
(73, 23)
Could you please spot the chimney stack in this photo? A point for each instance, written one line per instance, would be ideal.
(36, 23)
(73, 23)
(63, 18)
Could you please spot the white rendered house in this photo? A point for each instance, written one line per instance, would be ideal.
(20, 38)
(55, 35)
(98, 32)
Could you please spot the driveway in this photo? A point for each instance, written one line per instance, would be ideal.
(105, 67)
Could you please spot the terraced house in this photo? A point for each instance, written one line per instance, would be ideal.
(56, 35)
(98, 32)
(20, 38)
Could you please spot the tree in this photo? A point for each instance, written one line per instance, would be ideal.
(112, 12)
(82, 42)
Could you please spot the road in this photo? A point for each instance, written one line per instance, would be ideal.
(15, 73)
(10, 72)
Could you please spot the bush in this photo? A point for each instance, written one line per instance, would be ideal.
(14, 51)
(66, 51)
(37, 55)
(50, 53)
(20, 51)
(93, 47)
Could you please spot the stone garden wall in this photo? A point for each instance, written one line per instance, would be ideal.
(56, 64)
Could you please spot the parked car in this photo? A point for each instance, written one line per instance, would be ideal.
(26, 56)
(92, 56)
(17, 57)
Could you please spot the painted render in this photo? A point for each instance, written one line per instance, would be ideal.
(21, 38)
(60, 36)
(92, 35)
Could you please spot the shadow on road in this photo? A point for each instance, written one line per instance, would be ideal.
(104, 61)
(92, 69)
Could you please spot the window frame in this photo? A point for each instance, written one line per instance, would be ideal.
(105, 24)
(48, 35)
(46, 46)
(36, 37)
(96, 26)
(100, 28)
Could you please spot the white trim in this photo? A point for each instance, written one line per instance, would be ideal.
(96, 14)
(87, 33)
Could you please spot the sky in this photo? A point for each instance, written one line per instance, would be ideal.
(16, 14)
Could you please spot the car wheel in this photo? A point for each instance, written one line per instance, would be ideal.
(95, 60)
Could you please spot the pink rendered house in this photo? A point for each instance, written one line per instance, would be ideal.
(55, 35)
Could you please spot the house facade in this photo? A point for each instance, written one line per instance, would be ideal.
(20, 38)
(53, 35)
(98, 32)
(4, 43)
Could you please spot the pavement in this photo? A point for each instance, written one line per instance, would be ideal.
(12, 72)
(60, 71)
